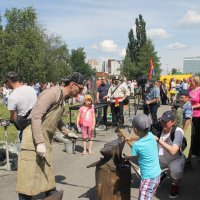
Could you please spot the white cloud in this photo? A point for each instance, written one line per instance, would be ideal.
(158, 33)
(192, 17)
(176, 46)
(106, 46)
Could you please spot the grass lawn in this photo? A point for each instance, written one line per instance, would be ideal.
(12, 131)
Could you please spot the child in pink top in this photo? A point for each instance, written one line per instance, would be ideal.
(86, 122)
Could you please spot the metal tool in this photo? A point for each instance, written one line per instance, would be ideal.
(5, 123)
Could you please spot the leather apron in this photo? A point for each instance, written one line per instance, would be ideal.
(36, 174)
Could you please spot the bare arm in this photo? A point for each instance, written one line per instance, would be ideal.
(97, 97)
(172, 149)
(153, 101)
(196, 107)
(13, 115)
(93, 120)
(78, 118)
(63, 129)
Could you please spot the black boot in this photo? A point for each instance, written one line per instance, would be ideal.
(50, 192)
(24, 197)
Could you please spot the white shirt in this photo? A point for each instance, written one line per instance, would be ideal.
(164, 155)
(22, 99)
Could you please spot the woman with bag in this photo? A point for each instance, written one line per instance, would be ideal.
(86, 122)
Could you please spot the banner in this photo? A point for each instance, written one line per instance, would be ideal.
(151, 69)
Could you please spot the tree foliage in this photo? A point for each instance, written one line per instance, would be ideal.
(174, 71)
(26, 48)
(23, 45)
(138, 53)
(57, 58)
(78, 62)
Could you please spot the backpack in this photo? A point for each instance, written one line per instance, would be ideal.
(184, 142)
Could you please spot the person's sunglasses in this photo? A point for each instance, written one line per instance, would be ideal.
(79, 86)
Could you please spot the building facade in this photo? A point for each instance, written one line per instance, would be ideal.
(95, 65)
(110, 66)
(191, 65)
(114, 66)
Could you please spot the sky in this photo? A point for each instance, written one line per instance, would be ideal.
(101, 26)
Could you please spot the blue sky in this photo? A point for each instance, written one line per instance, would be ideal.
(102, 26)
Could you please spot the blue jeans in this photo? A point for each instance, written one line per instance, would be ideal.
(5, 101)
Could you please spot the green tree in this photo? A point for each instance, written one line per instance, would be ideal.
(138, 53)
(23, 45)
(174, 71)
(57, 58)
(78, 62)
(26, 48)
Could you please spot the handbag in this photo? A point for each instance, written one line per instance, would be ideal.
(80, 123)
(126, 101)
(21, 124)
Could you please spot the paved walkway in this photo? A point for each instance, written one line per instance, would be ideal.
(78, 182)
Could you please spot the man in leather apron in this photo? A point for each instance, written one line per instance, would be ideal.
(35, 171)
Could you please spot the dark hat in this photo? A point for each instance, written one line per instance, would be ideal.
(184, 92)
(12, 76)
(141, 122)
(168, 115)
(75, 77)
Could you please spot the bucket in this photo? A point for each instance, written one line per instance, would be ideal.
(69, 147)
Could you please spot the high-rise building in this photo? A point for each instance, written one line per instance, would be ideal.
(114, 66)
(110, 66)
(191, 65)
(95, 65)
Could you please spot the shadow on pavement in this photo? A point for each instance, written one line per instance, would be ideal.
(79, 148)
(189, 185)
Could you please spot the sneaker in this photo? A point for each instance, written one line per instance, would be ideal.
(173, 192)
(162, 178)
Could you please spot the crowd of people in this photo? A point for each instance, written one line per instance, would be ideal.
(41, 111)
(178, 139)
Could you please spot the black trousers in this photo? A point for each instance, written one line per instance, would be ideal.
(105, 111)
(164, 98)
(117, 114)
(195, 146)
(152, 109)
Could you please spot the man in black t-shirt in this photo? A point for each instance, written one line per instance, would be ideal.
(102, 91)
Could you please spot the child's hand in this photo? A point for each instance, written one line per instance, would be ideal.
(128, 139)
